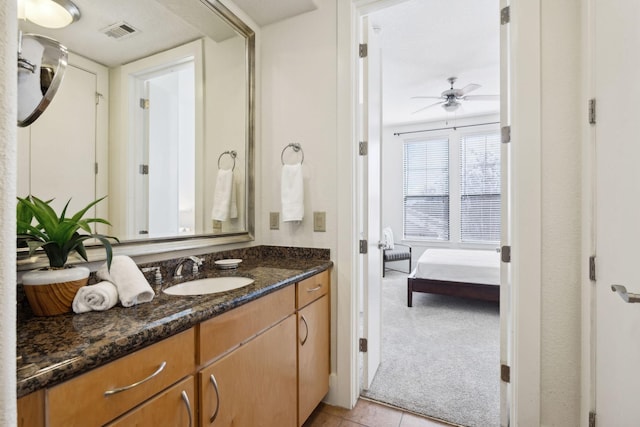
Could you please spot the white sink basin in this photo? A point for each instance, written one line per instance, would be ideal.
(209, 285)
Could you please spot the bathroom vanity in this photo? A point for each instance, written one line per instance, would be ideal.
(257, 355)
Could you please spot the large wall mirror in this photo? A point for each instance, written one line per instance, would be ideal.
(156, 111)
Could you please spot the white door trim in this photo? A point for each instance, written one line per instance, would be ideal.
(526, 262)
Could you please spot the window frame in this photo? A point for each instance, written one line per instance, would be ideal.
(454, 136)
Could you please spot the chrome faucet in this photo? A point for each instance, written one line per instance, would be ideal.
(197, 262)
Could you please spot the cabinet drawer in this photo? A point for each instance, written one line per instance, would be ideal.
(224, 332)
(170, 408)
(312, 288)
(82, 400)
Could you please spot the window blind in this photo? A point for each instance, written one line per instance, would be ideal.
(426, 189)
(480, 188)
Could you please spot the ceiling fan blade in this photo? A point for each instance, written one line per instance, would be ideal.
(426, 97)
(481, 98)
(465, 90)
(428, 106)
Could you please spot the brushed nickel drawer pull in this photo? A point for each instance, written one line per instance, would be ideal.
(128, 387)
(215, 387)
(306, 325)
(314, 289)
(185, 398)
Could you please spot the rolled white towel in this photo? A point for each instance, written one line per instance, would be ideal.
(99, 297)
(132, 286)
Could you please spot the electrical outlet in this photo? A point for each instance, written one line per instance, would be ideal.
(319, 221)
(274, 220)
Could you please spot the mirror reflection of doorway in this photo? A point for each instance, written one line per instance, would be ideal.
(166, 187)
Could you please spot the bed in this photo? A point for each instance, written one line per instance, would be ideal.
(456, 272)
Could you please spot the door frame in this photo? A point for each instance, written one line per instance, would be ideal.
(525, 118)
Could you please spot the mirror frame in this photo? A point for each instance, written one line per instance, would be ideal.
(171, 244)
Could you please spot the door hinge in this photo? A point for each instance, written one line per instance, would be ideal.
(362, 50)
(363, 148)
(592, 111)
(363, 345)
(363, 246)
(592, 268)
(98, 96)
(144, 103)
(505, 373)
(144, 169)
(592, 419)
(505, 15)
(505, 253)
(505, 134)
(143, 232)
(95, 168)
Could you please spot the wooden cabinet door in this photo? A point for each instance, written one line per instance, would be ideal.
(313, 356)
(255, 385)
(31, 410)
(175, 407)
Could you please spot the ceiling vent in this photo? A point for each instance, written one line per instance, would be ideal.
(120, 30)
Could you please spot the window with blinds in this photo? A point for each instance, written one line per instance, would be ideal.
(426, 189)
(480, 188)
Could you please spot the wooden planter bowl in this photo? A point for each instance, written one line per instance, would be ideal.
(51, 292)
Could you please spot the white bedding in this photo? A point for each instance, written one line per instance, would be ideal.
(459, 265)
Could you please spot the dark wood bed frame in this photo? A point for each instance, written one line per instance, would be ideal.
(456, 289)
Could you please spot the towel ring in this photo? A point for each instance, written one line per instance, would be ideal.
(233, 155)
(296, 147)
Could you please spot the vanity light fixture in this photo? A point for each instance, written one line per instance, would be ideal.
(48, 13)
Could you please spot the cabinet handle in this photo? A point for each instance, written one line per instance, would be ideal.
(317, 288)
(185, 398)
(215, 387)
(130, 386)
(306, 325)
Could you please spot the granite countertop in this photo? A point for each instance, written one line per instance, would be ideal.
(53, 349)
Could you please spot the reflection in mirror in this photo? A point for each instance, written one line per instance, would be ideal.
(155, 92)
(41, 65)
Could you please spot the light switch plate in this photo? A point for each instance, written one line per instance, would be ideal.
(319, 221)
(274, 220)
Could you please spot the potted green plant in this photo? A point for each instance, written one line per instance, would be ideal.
(51, 290)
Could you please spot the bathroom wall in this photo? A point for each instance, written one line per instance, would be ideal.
(8, 135)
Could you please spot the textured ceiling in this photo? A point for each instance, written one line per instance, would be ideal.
(425, 42)
(265, 12)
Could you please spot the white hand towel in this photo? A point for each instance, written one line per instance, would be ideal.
(99, 297)
(233, 208)
(132, 286)
(222, 195)
(292, 193)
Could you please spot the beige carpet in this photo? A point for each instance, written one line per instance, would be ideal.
(440, 358)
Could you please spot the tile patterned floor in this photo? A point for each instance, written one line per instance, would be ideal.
(368, 414)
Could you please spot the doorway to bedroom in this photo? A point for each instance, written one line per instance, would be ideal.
(440, 189)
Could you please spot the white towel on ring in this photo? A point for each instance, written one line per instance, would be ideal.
(224, 198)
(132, 286)
(99, 297)
(292, 193)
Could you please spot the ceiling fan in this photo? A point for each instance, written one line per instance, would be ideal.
(451, 98)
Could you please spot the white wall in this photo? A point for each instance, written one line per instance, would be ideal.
(299, 98)
(8, 135)
(562, 117)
